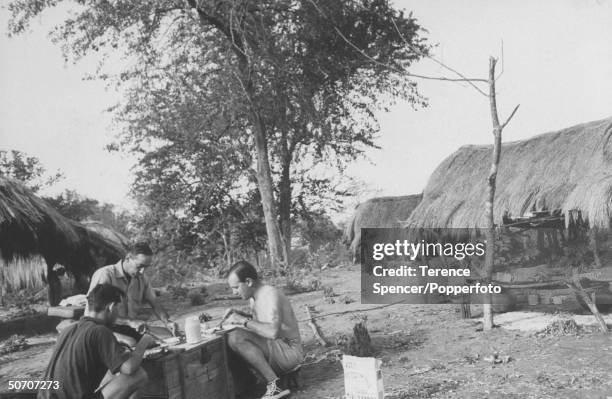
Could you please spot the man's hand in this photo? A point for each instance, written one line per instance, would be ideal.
(173, 327)
(147, 341)
(141, 327)
(236, 319)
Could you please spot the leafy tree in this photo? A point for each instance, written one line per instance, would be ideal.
(76, 207)
(275, 75)
(18, 165)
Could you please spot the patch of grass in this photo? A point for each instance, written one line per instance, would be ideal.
(562, 327)
(303, 285)
(177, 291)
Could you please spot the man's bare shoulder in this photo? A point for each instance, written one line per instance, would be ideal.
(270, 293)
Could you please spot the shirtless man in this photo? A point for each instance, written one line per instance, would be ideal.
(269, 338)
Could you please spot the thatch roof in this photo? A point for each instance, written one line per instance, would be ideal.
(379, 212)
(569, 170)
(29, 226)
(109, 243)
(31, 229)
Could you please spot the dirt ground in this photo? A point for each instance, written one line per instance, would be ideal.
(428, 351)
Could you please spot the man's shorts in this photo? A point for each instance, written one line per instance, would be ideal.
(284, 354)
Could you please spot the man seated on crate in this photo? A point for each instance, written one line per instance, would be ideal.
(87, 351)
(127, 275)
(269, 338)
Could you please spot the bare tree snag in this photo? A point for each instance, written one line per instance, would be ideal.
(316, 330)
(487, 317)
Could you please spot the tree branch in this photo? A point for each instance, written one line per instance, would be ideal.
(403, 71)
(423, 54)
(511, 115)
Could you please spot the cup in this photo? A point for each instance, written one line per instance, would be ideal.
(193, 332)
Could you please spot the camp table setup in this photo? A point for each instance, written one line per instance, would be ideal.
(189, 370)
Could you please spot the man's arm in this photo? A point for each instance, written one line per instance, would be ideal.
(133, 363)
(268, 324)
(158, 309)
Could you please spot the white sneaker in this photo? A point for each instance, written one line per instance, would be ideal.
(274, 392)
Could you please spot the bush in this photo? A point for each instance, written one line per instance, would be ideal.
(196, 299)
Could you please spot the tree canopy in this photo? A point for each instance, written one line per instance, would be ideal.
(223, 96)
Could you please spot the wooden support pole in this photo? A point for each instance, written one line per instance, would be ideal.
(575, 286)
(466, 310)
(595, 247)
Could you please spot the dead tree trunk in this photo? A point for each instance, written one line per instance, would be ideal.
(487, 317)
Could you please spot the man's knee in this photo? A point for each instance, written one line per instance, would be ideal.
(123, 385)
(236, 338)
(141, 378)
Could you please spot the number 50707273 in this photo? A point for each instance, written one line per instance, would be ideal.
(31, 384)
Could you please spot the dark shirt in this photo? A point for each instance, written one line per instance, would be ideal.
(82, 355)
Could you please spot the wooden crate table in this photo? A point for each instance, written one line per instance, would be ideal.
(198, 371)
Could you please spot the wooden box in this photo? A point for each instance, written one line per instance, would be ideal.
(164, 377)
(201, 371)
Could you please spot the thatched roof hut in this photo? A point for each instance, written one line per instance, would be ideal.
(378, 212)
(31, 231)
(569, 171)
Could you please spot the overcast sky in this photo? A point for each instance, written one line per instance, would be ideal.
(557, 61)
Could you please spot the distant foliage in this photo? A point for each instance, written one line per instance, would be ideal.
(19, 166)
(77, 207)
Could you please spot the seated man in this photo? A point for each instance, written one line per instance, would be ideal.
(87, 350)
(127, 275)
(269, 339)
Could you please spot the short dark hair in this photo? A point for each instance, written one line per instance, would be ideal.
(141, 247)
(243, 270)
(103, 294)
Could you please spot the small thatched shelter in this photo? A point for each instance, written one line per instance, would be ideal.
(31, 230)
(378, 212)
(568, 172)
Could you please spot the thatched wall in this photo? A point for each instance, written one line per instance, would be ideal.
(569, 170)
(378, 212)
(23, 273)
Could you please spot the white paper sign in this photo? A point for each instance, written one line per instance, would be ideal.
(362, 377)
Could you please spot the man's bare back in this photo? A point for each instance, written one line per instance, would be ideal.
(269, 304)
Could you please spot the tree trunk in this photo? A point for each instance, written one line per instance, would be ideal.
(487, 317)
(2, 293)
(285, 203)
(266, 189)
(264, 173)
